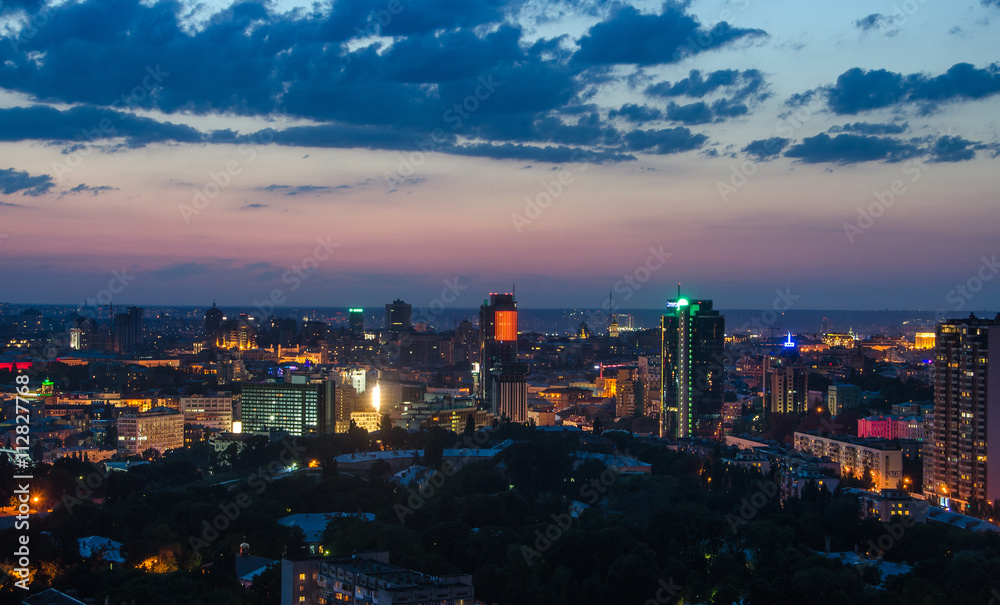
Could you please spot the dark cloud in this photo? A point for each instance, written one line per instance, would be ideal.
(83, 188)
(636, 113)
(297, 189)
(555, 155)
(253, 206)
(629, 36)
(857, 90)
(15, 181)
(668, 140)
(870, 128)
(952, 149)
(694, 113)
(766, 148)
(89, 124)
(884, 24)
(737, 84)
(851, 149)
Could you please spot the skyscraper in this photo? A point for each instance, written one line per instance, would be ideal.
(213, 324)
(962, 452)
(356, 321)
(692, 382)
(128, 330)
(398, 316)
(498, 353)
(787, 389)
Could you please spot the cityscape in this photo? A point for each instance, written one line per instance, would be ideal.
(499, 302)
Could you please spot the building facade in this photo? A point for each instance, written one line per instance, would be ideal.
(964, 437)
(856, 457)
(161, 429)
(692, 369)
(299, 407)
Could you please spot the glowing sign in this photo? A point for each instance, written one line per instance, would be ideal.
(357, 310)
(788, 344)
(680, 303)
(506, 325)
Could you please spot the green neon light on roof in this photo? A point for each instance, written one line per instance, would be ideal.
(357, 310)
(682, 302)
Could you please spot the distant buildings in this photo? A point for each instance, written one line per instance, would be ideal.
(356, 321)
(160, 428)
(891, 427)
(962, 451)
(398, 316)
(128, 330)
(692, 336)
(298, 407)
(367, 578)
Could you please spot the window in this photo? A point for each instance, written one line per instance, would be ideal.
(302, 576)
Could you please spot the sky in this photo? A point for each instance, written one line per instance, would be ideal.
(352, 152)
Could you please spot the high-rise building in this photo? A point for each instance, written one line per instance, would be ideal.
(787, 389)
(128, 330)
(962, 451)
(160, 428)
(213, 324)
(497, 339)
(692, 336)
(356, 321)
(840, 397)
(398, 316)
(628, 392)
(299, 407)
(214, 412)
(509, 392)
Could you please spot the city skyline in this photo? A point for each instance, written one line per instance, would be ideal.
(359, 152)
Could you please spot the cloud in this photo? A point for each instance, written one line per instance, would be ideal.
(630, 37)
(738, 84)
(886, 25)
(857, 90)
(851, 149)
(14, 181)
(869, 128)
(89, 124)
(666, 141)
(179, 271)
(952, 149)
(82, 188)
(556, 155)
(253, 206)
(636, 113)
(297, 189)
(766, 148)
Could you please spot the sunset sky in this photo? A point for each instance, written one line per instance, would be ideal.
(204, 149)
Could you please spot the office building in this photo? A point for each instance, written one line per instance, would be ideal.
(962, 450)
(498, 347)
(298, 407)
(840, 397)
(787, 389)
(160, 428)
(398, 316)
(356, 321)
(628, 392)
(213, 324)
(692, 336)
(509, 392)
(924, 340)
(128, 330)
(210, 412)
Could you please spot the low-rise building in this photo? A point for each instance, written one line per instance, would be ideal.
(857, 456)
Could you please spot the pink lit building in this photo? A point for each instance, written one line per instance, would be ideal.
(892, 427)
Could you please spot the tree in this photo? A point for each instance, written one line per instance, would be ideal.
(470, 425)
(598, 426)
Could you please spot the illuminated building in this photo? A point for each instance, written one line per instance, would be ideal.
(835, 339)
(367, 578)
(159, 428)
(210, 412)
(857, 456)
(498, 356)
(964, 435)
(356, 321)
(787, 389)
(299, 407)
(691, 369)
(924, 340)
(398, 316)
